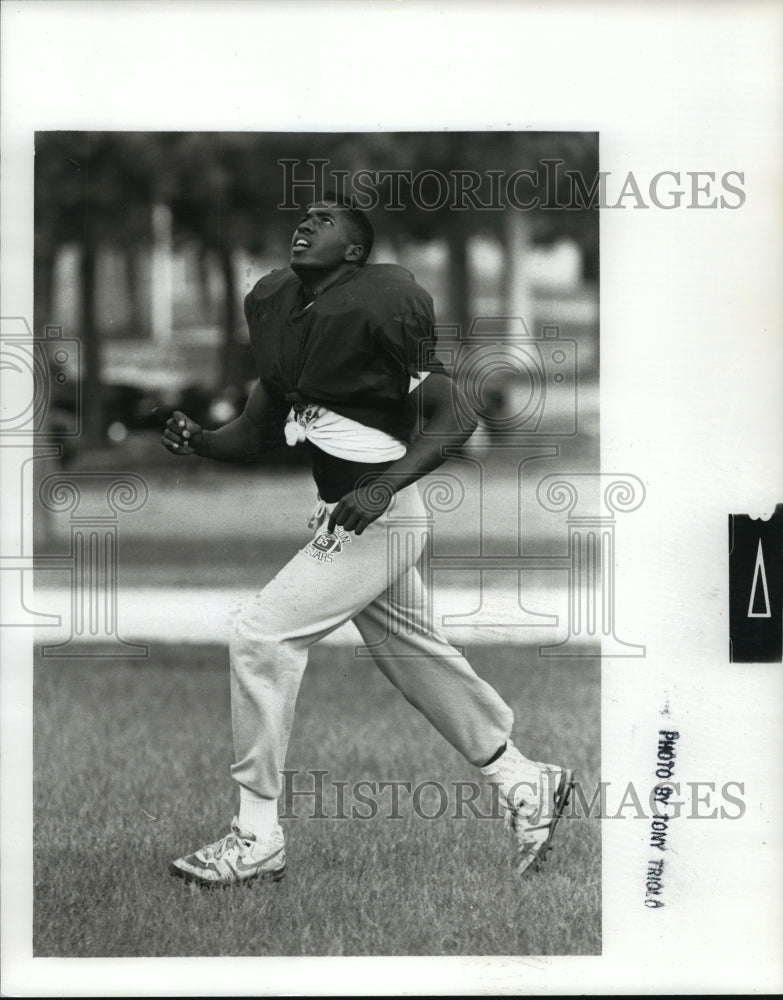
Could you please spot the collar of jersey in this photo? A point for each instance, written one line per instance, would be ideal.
(327, 287)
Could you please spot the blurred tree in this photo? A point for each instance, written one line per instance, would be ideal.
(225, 196)
(91, 189)
(225, 191)
(442, 161)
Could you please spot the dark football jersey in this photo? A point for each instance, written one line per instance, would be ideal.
(353, 348)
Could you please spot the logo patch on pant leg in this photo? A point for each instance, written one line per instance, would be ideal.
(327, 544)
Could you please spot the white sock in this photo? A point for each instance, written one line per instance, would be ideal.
(512, 759)
(256, 814)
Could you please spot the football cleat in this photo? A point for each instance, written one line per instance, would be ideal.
(534, 796)
(237, 858)
(533, 824)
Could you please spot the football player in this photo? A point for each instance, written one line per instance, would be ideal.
(339, 346)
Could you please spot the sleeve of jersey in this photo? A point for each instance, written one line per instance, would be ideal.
(405, 329)
(264, 289)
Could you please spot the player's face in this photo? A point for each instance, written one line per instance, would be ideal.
(322, 239)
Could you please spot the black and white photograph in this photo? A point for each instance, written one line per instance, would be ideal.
(351, 383)
(392, 509)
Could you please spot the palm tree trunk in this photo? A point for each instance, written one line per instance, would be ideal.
(458, 279)
(92, 402)
(138, 319)
(43, 283)
(227, 354)
(518, 290)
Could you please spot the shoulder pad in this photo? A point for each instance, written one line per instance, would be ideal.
(272, 283)
(387, 283)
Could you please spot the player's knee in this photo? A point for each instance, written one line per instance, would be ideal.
(250, 623)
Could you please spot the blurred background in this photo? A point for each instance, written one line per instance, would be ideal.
(146, 243)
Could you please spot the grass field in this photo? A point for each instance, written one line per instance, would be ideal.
(131, 770)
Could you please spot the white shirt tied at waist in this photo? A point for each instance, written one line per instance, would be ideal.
(342, 437)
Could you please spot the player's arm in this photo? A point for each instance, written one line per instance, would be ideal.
(436, 398)
(245, 439)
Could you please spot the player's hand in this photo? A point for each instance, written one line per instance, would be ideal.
(182, 435)
(360, 508)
